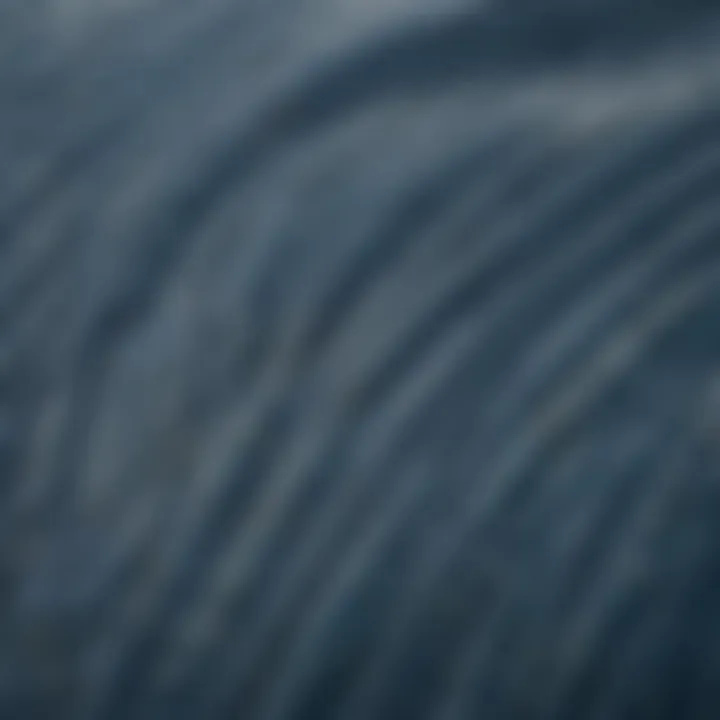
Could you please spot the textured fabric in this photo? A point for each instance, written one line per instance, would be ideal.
(359, 360)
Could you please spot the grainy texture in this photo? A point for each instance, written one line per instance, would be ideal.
(359, 360)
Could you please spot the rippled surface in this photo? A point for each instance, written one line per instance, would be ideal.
(359, 360)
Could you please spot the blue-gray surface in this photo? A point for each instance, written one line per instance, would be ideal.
(359, 360)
